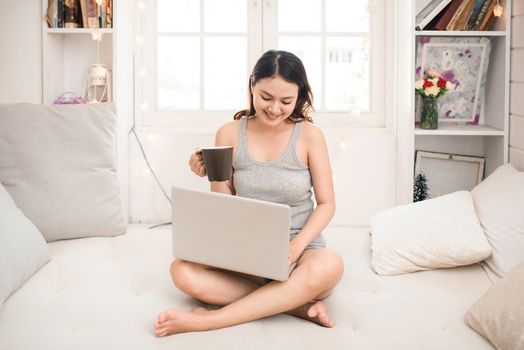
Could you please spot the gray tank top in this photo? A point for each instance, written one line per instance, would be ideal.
(284, 180)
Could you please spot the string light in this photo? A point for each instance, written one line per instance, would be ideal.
(498, 9)
(146, 172)
(96, 35)
(140, 40)
(142, 6)
(151, 138)
(343, 142)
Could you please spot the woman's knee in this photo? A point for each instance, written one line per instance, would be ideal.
(184, 274)
(325, 269)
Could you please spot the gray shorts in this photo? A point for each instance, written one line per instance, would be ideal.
(318, 242)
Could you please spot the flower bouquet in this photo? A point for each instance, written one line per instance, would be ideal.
(430, 89)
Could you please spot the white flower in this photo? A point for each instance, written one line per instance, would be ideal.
(432, 90)
(450, 86)
(419, 84)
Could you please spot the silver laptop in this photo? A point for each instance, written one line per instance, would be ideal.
(230, 232)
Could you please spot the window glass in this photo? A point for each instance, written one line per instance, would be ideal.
(178, 16)
(348, 58)
(347, 16)
(225, 16)
(225, 73)
(299, 15)
(178, 75)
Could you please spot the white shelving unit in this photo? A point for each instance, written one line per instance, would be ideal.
(67, 55)
(489, 139)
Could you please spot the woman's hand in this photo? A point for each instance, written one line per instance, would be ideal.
(295, 251)
(196, 163)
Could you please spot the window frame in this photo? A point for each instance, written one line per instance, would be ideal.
(261, 14)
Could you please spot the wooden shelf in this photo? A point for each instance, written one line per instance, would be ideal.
(78, 30)
(461, 130)
(459, 33)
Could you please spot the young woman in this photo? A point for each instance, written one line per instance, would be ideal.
(279, 156)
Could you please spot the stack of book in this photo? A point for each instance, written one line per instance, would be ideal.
(456, 15)
(79, 14)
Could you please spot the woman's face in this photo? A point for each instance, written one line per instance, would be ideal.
(274, 99)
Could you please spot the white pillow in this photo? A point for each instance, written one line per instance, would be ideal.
(23, 250)
(499, 201)
(435, 233)
(59, 165)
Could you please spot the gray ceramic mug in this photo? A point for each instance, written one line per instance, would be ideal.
(218, 161)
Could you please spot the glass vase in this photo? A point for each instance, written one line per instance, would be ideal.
(429, 115)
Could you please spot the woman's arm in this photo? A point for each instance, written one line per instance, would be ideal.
(322, 180)
(225, 136)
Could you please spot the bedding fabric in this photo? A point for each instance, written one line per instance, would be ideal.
(499, 202)
(59, 165)
(435, 233)
(499, 314)
(23, 250)
(106, 292)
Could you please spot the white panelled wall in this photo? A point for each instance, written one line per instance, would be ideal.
(363, 162)
(21, 51)
(516, 122)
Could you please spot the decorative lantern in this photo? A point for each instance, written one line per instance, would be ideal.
(98, 84)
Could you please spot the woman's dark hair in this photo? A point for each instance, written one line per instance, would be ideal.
(288, 66)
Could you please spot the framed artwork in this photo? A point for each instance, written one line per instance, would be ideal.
(447, 173)
(464, 62)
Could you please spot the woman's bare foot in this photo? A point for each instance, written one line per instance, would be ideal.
(174, 321)
(315, 312)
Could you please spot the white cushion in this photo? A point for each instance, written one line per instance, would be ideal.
(59, 165)
(499, 201)
(435, 233)
(23, 250)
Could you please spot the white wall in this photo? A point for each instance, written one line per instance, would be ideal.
(516, 122)
(21, 51)
(364, 184)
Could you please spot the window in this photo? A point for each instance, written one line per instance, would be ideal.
(195, 56)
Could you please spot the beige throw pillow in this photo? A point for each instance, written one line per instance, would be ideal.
(58, 163)
(499, 314)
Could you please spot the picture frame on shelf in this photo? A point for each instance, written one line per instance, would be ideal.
(447, 172)
(464, 62)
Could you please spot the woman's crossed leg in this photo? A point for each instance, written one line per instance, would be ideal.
(245, 298)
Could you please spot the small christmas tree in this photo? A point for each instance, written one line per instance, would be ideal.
(420, 188)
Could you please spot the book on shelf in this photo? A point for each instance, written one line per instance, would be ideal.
(109, 13)
(474, 14)
(72, 14)
(488, 20)
(83, 9)
(60, 14)
(485, 10)
(460, 18)
(429, 13)
(51, 14)
(92, 16)
(447, 15)
(79, 14)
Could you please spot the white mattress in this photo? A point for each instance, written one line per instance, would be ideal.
(105, 293)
